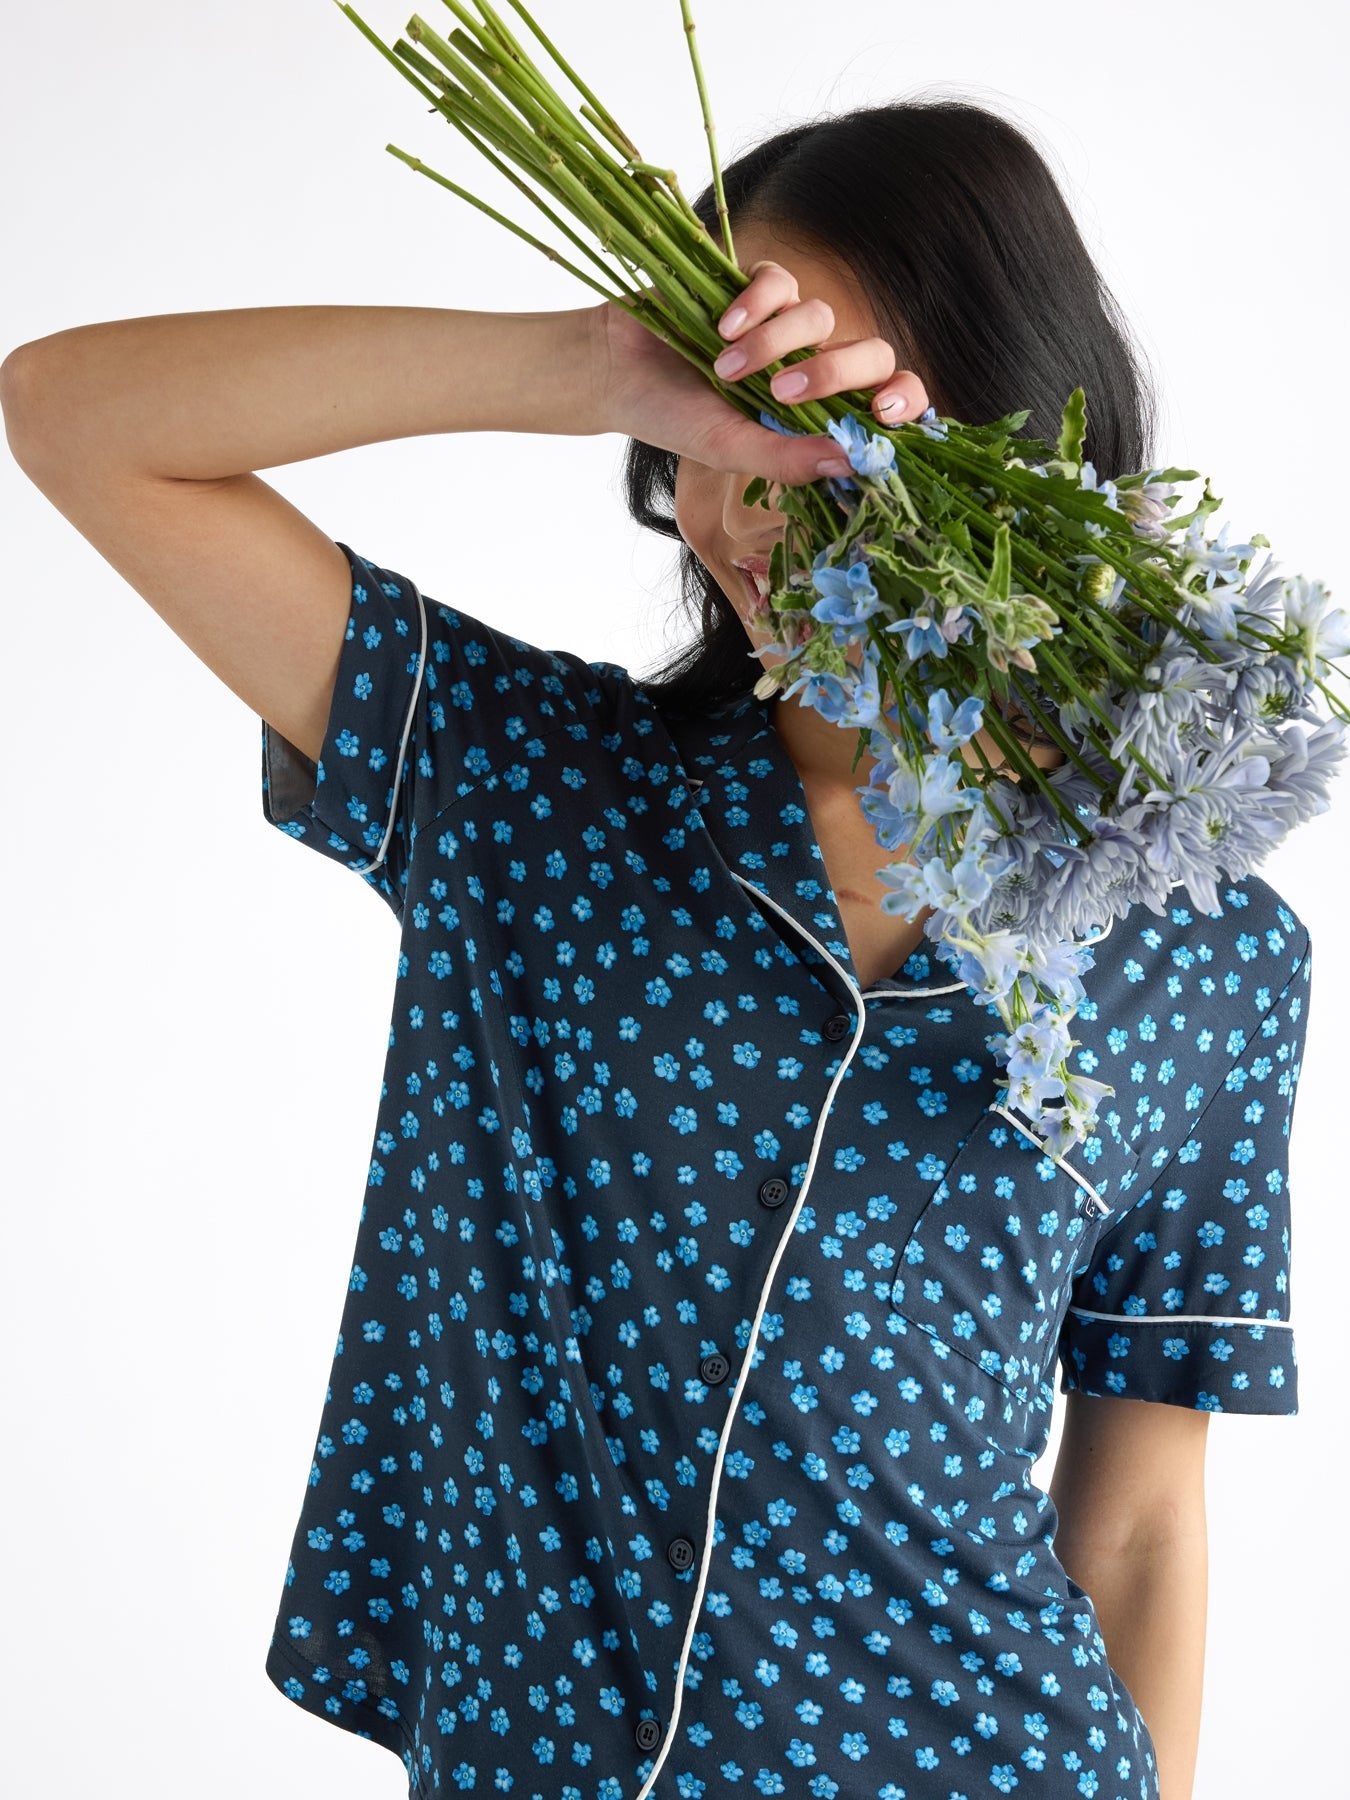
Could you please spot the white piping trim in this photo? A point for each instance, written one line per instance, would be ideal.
(1067, 1167)
(956, 986)
(1182, 1319)
(375, 862)
(911, 993)
(1101, 934)
(669, 1735)
(696, 1607)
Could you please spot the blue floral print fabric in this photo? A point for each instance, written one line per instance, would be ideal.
(706, 1306)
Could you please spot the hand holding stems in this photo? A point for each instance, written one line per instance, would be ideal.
(647, 390)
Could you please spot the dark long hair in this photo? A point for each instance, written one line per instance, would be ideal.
(952, 223)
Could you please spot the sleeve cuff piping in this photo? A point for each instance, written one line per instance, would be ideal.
(383, 851)
(1183, 1319)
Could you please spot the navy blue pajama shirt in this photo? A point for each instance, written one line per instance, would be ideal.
(705, 1307)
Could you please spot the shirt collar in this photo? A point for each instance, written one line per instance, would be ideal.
(752, 803)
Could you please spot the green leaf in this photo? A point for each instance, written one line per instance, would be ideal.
(1143, 475)
(756, 491)
(1073, 428)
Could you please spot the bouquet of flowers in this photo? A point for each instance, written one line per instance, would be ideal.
(985, 577)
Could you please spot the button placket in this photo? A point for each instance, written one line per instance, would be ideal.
(772, 1192)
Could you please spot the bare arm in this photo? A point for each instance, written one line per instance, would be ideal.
(144, 434)
(206, 395)
(1128, 1486)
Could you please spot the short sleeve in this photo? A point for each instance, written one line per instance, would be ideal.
(428, 702)
(1186, 1299)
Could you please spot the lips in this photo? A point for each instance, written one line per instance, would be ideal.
(754, 573)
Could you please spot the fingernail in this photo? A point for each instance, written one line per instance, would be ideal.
(834, 465)
(788, 383)
(892, 403)
(733, 321)
(730, 362)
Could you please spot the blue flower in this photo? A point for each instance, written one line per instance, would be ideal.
(869, 453)
(949, 729)
(849, 597)
(921, 634)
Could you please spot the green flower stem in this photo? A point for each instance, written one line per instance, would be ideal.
(1161, 604)
(508, 68)
(1015, 755)
(1337, 706)
(422, 168)
(976, 515)
(697, 61)
(990, 774)
(1074, 605)
(655, 179)
(1048, 723)
(602, 113)
(519, 133)
(683, 282)
(447, 110)
(634, 197)
(683, 211)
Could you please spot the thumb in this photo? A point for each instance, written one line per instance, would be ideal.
(790, 459)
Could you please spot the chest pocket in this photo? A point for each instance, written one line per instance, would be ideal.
(989, 1264)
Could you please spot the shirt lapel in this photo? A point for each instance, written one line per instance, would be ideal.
(752, 804)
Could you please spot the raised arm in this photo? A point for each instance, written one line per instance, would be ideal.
(144, 434)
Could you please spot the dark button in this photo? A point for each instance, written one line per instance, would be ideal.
(714, 1369)
(774, 1191)
(648, 1734)
(680, 1553)
(837, 1026)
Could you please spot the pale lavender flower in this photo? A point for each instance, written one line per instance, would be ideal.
(1147, 510)
(1078, 895)
(1087, 478)
(1320, 635)
(1217, 816)
(1265, 693)
(1302, 765)
(1217, 557)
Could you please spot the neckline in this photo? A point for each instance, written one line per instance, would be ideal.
(742, 721)
(746, 720)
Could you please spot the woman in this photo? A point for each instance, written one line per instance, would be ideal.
(705, 1308)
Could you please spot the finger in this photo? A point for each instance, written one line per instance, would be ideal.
(840, 369)
(744, 448)
(808, 322)
(903, 398)
(770, 287)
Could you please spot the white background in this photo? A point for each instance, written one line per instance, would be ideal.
(196, 1010)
